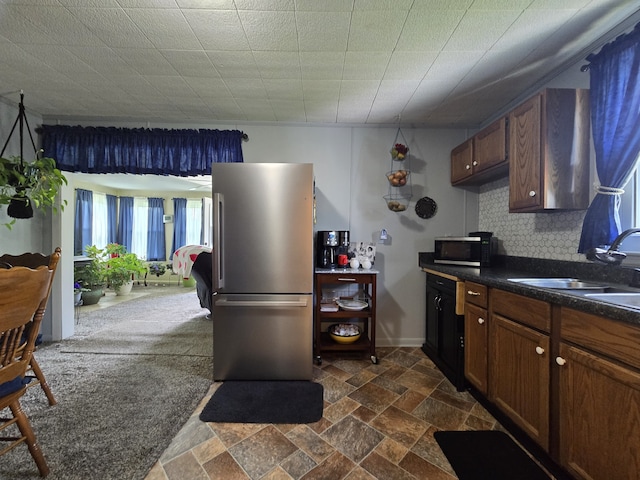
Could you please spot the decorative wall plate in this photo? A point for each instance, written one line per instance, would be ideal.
(426, 207)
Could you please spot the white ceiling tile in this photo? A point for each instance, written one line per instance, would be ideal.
(270, 30)
(480, 29)
(234, 64)
(441, 62)
(283, 89)
(323, 31)
(365, 65)
(217, 29)
(111, 25)
(427, 29)
(370, 29)
(277, 64)
(189, 63)
(322, 65)
(165, 28)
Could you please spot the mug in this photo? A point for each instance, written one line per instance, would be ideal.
(343, 260)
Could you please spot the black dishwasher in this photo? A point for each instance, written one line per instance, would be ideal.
(444, 337)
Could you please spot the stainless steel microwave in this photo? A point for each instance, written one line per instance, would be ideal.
(475, 250)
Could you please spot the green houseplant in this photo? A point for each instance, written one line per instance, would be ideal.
(25, 185)
(121, 266)
(91, 276)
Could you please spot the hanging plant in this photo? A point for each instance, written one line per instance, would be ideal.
(27, 185)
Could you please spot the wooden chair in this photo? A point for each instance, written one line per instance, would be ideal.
(34, 260)
(22, 294)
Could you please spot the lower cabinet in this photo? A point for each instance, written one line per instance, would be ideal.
(519, 376)
(599, 397)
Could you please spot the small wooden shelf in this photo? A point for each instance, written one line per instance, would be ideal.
(366, 290)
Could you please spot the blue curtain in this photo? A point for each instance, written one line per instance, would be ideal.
(125, 225)
(139, 150)
(179, 223)
(615, 120)
(155, 237)
(83, 228)
(112, 218)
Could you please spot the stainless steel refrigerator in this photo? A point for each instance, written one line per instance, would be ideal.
(262, 304)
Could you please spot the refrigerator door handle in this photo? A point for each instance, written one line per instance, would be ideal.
(218, 248)
(223, 302)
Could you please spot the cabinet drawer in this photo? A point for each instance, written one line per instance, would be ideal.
(475, 293)
(616, 340)
(528, 311)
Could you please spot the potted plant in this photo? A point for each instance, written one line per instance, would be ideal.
(28, 185)
(90, 276)
(120, 268)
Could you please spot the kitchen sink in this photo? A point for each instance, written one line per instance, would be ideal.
(623, 299)
(562, 283)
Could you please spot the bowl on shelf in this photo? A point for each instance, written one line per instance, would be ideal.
(397, 202)
(344, 333)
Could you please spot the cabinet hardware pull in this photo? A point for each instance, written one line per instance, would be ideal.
(346, 279)
(471, 292)
(539, 350)
(532, 193)
(480, 320)
(467, 167)
(560, 361)
(475, 163)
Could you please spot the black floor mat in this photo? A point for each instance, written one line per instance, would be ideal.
(487, 455)
(262, 401)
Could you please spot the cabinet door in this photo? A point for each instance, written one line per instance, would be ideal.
(525, 179)
(462, 161)
(432, 316)
(451, 333)
(475, 346)
(519, 376)
(599, 417)
(490, 147)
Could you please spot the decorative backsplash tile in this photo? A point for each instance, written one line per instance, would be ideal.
(552, 235)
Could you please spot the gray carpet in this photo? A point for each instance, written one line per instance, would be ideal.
(120, 403)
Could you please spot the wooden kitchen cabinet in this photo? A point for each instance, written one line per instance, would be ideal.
(519, 365)
(462, 162)
(444, 336)
(476, 328)
(549, 151)
(599, 397)
(482, 157)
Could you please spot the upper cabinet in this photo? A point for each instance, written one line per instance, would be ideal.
(481, 158)
(543, 144)
(549, 152)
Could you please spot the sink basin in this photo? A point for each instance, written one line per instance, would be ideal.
(561, 283)
(623, 299)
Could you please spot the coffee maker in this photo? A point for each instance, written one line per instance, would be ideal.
(330, 244)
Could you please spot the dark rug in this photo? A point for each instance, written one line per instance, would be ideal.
(262, 401)
(487, 455)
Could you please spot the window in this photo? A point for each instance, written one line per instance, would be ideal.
(630, 218)
(140, 227)
(99, 234)
(194, 221)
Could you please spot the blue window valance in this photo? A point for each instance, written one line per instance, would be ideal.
(140, 150)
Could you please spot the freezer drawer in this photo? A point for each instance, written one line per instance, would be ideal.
(262, 337)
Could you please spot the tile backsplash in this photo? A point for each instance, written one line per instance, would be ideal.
(552, 235)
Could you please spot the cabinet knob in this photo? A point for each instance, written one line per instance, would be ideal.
(539, 350)
(532, 193)
(560, 361)
(472, 293)
(467, 167)
(480, 320)
(474, 163)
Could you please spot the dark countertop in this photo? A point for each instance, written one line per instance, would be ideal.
(513, 267)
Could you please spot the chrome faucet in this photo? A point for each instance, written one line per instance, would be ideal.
(611, 256)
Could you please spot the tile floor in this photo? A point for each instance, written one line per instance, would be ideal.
(378, 423)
